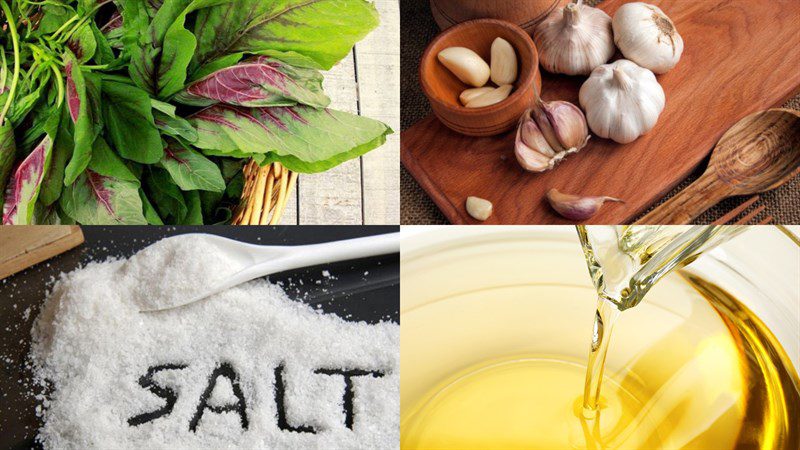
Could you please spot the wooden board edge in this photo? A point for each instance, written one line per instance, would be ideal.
(441, 201)
(37, 255)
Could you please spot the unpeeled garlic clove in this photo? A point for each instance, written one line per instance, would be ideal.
(478, 208)
(490, 98)
(574, 207)
(504, 62)
(470, 94)
(465, 64)
(568, 124)
(548, 133)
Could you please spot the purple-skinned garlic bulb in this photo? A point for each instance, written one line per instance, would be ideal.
(549, 132)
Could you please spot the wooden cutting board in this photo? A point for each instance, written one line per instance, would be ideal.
(741, 56)
(24, 246)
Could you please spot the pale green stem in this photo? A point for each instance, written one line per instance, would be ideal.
(15, 44)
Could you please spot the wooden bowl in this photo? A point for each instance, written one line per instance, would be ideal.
(525, 13)
(443, 88)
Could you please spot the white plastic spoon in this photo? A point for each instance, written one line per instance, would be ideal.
(251, 261)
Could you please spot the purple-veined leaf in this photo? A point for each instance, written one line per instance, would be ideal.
(114, 22)
(82, 43)
(78, 104)
(302, 138)
(256, 82)
(23, 189)
(74, 100)
(95, 199)
(323, 30)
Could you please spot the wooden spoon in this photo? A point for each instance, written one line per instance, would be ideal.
(758, 154)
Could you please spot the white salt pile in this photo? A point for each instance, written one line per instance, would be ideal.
(249, 368)
(176, 268)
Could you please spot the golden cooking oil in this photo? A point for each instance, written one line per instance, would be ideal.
(504, 364)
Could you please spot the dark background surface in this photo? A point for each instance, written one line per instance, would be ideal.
(348, 293)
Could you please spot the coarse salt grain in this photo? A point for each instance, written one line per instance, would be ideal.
(93, 344)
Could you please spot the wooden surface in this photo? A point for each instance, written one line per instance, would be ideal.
(525, 13)
(24, 246)
(741, 56)
(443, 88)
(759, 153)
(363, 190)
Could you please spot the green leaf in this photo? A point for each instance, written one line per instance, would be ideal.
(150, 213)
(8, 152)
(177, 127)
(95, 199)
(79, 109)
(302, 138)
(194, 213)
(322, 30)
(191, 170)
(165, 196)
(105, 162)
(164, 107)
(62, 151)
(52, 18)
(128, 114)
(159, 61)
(104, 53)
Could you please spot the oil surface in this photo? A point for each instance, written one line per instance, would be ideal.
(503, 366)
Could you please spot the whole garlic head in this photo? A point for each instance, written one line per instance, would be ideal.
(646, 36)
(574, 40)
(548, 133)
(622, 101)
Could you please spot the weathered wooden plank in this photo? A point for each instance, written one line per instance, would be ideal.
(378, 69)
(334, 196)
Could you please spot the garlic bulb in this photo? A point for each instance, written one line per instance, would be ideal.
(646, 36)
(467, 65)
(622, 101)
(549, 132)
(575, 40)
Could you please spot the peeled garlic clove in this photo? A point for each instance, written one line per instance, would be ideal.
(646, 36)
(576, 208)
(574, 40)
(465, 64)
(490, 98)
(504, 62)
(568, 124)
(470, 94)
(478, 208)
